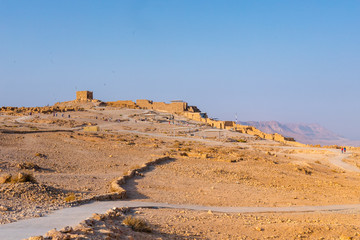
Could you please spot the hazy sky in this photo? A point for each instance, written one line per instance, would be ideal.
(290, 61)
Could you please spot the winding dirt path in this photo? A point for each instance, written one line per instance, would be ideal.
(72, 216)
(338, 161)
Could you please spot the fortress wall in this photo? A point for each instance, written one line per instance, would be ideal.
(144, 103)
(269, 136)
(174, 107)
(122, 104)
(216, 123)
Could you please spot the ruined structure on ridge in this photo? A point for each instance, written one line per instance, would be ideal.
(190, 112)
(176, 106)
(231, 125)
(84, 96)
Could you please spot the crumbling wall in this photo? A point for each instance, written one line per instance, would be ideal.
(193, 109)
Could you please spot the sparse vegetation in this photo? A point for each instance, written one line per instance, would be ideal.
(28, 166)
(70, 197)
(137, 224)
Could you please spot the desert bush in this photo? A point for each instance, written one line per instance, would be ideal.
(137, 224)
(70, 197)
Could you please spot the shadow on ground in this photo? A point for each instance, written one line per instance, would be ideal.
(131, 186)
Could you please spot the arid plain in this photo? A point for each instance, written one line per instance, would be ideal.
(68, 157)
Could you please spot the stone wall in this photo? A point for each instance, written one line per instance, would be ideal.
(174, 107)
(122, 104)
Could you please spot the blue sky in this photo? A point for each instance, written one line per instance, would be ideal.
(290, 61)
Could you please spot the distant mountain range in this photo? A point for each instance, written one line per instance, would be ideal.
(303, 133)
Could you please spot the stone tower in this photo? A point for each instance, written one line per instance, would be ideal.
(84, 95)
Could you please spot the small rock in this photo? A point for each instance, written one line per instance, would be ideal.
(55, 234)
(5, 178)
(97, 216)
(66, 229)
(3, 208)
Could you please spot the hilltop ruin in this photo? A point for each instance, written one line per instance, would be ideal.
(193, 113)
(175, 107)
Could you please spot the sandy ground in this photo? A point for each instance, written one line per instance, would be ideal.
(210, 169)
(209, 225)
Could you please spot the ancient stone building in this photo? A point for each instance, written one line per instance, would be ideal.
(84, 95)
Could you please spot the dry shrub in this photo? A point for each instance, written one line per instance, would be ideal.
(28, 166)
(137, 224)
(70, 197)
(24, 177)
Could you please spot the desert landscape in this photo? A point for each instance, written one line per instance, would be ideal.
(197, 178)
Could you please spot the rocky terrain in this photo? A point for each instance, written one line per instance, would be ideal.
(50, 161)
